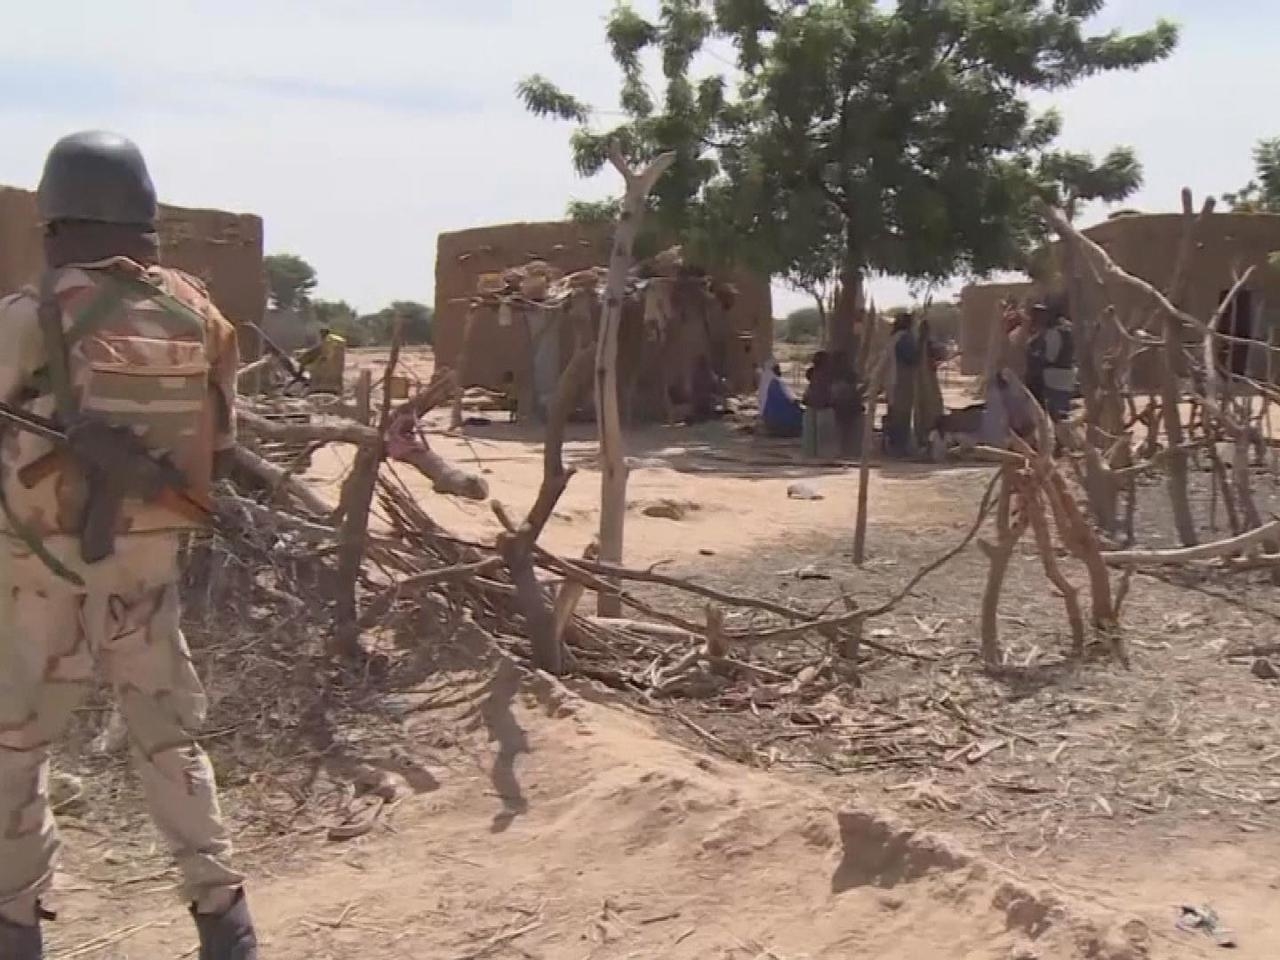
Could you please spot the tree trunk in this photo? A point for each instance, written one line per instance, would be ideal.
(613, 467)
(1008, 533)
(848, 307)
(1034, 507)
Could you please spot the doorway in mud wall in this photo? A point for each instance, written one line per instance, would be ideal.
(1237, 322)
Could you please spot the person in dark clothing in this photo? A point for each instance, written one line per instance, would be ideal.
(818, 394)
(846, 400)
(900, 386)
(1036, 349)
(706, 390)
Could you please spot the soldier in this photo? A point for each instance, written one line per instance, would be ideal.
(108, 335)
(325, 362)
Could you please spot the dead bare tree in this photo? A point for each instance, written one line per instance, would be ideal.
(613, 467)
(356, 499)
(1171, 391)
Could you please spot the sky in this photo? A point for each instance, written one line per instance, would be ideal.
(358, 131)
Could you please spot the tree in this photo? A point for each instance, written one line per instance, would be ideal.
(1261, 194)
(1069, 179)
(418, 318)
(862, 138)
(290, 280)
(802, 326)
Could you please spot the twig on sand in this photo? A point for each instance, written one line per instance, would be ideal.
(106, 940)
(499, 940)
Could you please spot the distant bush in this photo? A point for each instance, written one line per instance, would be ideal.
(801, 326)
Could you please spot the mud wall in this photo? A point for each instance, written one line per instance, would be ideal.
(1147, 246)
(1226, 245)
(222, 249)
(462, 256)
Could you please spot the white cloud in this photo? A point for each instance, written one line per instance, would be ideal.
(360, 130)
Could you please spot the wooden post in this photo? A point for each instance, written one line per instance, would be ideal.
(364, 396)
(864, 466)
(613, 467)
(468, 335)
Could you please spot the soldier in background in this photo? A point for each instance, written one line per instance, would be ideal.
(108, 335)
(1051, 363)
(326, 362)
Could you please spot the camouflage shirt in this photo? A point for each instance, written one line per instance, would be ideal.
(54, 505)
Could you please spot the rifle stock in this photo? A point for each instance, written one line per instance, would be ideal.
(39, 470)
(194, 508)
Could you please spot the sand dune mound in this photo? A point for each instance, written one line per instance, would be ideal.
(567, 828)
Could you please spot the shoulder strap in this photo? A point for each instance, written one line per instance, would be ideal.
(55, 346)
(36, 545)
(113, 290)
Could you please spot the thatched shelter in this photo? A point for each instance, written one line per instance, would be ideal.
(672, 315)
(738, 336)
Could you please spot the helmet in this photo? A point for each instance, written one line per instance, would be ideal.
(98, 176)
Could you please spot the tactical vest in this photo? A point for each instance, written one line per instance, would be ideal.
(137, 358)
(134, 357)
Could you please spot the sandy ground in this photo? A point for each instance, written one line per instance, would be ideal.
(552, 822)
(557, 828)
(733, 488)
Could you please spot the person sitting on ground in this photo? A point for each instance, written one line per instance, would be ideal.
(780, 411)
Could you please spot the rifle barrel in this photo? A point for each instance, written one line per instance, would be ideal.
(32, 423)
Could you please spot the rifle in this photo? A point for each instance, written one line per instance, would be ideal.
(116, 465)
(291, 366)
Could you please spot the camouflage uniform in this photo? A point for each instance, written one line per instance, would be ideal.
(121, 620)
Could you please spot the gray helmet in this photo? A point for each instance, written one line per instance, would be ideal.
(98, 176)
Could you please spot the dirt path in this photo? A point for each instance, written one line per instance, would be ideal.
(579, 833)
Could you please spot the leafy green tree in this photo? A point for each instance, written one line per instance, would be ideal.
(1262, 193)
(417, 318)
(863, 137)
(1069, 179)
(290, 280)
(802, 326)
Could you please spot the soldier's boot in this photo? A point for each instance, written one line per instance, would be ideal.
(229, 935)
(20, 941)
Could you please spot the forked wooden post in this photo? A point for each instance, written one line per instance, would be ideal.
(613, 467)
(864, 467)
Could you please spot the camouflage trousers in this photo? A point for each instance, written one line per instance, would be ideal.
(123, 626)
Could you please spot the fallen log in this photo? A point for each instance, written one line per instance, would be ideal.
(279, 481)
(445, 477)
(1182, 555)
